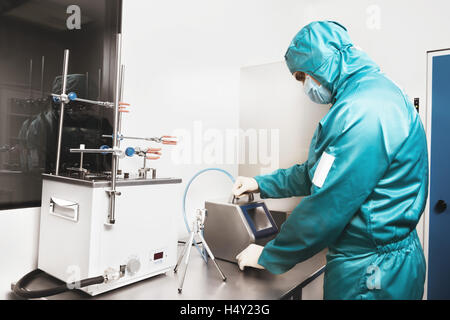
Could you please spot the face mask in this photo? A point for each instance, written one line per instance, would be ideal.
(317, 93)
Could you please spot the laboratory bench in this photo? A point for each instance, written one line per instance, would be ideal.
(203, 282)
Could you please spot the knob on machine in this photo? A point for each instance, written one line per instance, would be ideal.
(133, 266)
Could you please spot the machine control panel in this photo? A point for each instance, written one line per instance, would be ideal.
(158, 256)
(259, 219)
(230, 227)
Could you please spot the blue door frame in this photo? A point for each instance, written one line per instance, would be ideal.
(439, 215)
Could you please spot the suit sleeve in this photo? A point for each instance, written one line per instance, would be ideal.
(285, 183)
(320, 218)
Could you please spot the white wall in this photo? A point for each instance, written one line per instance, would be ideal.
(19, 237)
(271, 99)
(172, 85)
(183, 61)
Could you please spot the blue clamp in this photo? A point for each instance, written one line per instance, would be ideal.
(130, 151)
(104, 147)
(72, 96)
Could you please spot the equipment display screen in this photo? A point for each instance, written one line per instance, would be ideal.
(259, 218)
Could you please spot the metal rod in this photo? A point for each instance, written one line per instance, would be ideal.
(99, 84)
(61, 113)
(181, 256)
(42, 76)
(110, 150)
(154, 139)
(208, 250)
(114, 162)
(81, 160)
(119, 124)
(82, 146)
(30, 79)
(87, 85)
(137, 138)
(101, 113)
(186, 261)
(100, 103)
(122, 78)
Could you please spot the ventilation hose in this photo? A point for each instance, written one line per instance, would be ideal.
(19, 287)
(185, 196)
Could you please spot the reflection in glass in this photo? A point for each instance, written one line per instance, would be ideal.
(33, 36)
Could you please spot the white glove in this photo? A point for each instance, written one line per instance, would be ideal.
(243, 185)
(249, 257)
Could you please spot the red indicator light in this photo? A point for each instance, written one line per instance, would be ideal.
(158, 255)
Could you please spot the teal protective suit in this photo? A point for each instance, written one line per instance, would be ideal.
(365, 181)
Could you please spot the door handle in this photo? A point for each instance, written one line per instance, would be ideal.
(440, 206)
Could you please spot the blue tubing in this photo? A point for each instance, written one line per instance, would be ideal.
(184, 200)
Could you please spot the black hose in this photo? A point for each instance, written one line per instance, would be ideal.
(19, 287)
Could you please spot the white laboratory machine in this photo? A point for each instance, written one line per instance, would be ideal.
(75, 242)
(103, 230)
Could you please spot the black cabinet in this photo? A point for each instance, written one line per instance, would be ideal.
(33, 36)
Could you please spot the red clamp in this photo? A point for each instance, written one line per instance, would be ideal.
(156, 151)
(171, 140)
(123, 106)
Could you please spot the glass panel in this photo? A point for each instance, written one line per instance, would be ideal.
(259, 218)
(33, 36)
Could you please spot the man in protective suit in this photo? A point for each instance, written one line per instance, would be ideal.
(365, 181)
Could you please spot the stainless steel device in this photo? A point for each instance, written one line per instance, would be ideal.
(231, 225)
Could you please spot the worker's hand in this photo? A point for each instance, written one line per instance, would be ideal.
(243, 185)
(249, 257)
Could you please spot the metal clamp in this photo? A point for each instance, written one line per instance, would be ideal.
(169, 140)
(114, 151)
(117, 193)
(72, 96)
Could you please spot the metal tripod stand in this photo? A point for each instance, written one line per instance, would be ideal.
(197, 228)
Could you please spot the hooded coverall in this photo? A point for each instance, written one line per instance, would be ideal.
(365, 181)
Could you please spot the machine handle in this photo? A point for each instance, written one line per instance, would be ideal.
(64, 209)
(250, 195)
